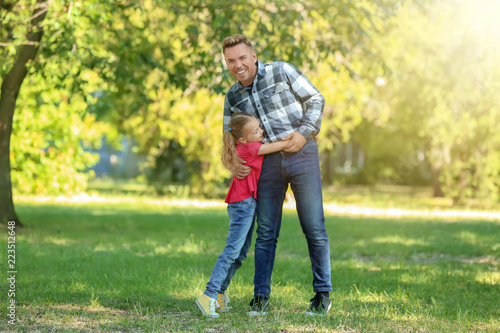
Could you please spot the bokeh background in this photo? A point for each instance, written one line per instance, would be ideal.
(128, 95)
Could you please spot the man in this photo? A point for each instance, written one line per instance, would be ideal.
(289, 108)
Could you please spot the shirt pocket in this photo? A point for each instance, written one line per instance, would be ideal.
(245, 106)
(241, 107)
(275, 96)
(278, 88)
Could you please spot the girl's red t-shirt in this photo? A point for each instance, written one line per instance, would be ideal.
(242, 189)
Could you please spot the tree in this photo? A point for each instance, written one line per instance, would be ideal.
(11, 86)
(52, 128)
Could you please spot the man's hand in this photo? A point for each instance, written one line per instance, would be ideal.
(295, 142)
(239, 169)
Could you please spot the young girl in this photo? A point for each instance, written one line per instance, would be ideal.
(243, 138)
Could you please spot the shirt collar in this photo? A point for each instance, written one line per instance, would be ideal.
(260, 72)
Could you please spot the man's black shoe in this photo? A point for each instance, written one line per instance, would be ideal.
(320, 305)
(258, 306)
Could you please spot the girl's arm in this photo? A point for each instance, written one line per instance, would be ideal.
(272, 147)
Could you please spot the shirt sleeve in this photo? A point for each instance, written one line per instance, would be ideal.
(253, 148)
(227, 115)
(311, 98)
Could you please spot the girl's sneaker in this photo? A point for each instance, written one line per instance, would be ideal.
(223, 301)
(208, 305)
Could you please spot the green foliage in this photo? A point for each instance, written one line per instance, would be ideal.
(52, 129)
(152, 70)
(349, 99)
(169, 56)
(194, 122)
(302, 32)
(50, 137)
(444, 98)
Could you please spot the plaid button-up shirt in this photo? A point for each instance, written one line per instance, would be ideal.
(283, 100)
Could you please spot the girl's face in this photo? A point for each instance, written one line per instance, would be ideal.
(252, 132)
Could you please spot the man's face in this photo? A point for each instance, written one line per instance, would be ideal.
(240, 60)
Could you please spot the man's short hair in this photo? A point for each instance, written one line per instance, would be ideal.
(234, 40)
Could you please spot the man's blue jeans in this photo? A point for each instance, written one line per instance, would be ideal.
(301, 170)
(239, 238)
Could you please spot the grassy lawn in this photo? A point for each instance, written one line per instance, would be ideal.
(138, 267)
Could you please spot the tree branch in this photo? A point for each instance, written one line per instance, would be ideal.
(20, 43)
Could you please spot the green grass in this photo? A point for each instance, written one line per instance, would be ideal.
(138, 267)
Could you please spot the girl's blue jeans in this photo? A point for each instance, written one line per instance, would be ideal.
(302, 171)
(239, 238)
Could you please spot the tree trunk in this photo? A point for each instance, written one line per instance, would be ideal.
(327, 166)
(11, 86)
(460, 197)
(437, 191)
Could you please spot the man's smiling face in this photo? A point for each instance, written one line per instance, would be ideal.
(240, 60)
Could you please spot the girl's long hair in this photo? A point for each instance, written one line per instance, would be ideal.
(231, 136)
